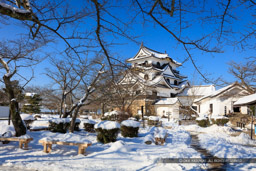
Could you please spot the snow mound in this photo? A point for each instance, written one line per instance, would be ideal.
(161, 134)
(244, 138)
(39, 124)
(88, 121)
(27, 117)
(7, 128)
(69, 137)
(131, 123)
(218, 129)
(63, 120)
(26, 136)
(153, 118)
(118, 146)
(107, 125)
(149, 139)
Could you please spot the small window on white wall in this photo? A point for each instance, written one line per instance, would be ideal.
(146, 76)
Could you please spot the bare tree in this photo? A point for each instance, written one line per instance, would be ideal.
(15, 55)
(245, 74)
(89, 86)
(67, 74)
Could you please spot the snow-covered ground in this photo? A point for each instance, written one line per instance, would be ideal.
(127, 153)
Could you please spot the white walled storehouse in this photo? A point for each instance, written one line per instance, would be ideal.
(168, 106)
(221, 102)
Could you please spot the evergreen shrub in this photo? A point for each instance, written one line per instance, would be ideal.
(130, 128)
(128, 131)
(107, 131)
(89, 125)
(220, 121)
(203, 122)
(62, 125)
(107, 135)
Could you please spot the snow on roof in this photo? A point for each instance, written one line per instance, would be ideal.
(131, 123)
(217, 92)
(107, 125)
(30, 94)
(198, 90)
(167, 101)
(246, 100)
(152, 53)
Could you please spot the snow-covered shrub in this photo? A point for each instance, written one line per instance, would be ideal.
(89, 125)
(115, 116)
(62, 124)
(130, 128)
(220, 120)
(153, 121)
(137, 117)
(36, 116)
(203, 122)
(107, 131)
(149, 139)
(28, 119)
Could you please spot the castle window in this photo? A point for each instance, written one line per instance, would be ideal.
(137, 92)
(146, 76)
(175, 82)
(158, 64)
(168, 80)
(146, 63)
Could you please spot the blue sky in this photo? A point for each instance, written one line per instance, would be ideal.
(154, 37)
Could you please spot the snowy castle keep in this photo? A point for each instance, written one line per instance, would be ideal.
(158, 71)
(158, 78)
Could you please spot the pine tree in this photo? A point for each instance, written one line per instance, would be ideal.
(32, 104)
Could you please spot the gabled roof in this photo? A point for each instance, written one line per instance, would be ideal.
(167, 101)
(145, 52)
(246, 100)
(218, 92)
(198, 90)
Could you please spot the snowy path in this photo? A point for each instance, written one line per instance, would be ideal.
(206, 154)
(6, 168)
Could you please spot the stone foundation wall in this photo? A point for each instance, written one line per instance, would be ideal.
(148, 108)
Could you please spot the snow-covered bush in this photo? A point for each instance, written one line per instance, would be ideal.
(221, 120)
(28, 119)
(137, 117)
(149, 139)
(130, 128)
(89, 125)
(153, 121)
(115, 116)
(62, 124)
(203, 122)
(36, 116)
(107, 131)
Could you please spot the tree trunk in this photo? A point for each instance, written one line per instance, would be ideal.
(73, 121)
(14, 109)
(102, 109)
